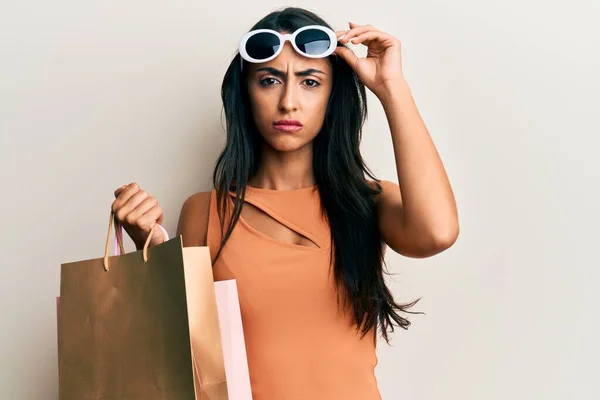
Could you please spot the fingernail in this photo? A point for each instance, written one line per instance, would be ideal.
(341, 37)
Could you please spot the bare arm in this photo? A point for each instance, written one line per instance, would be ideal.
(420, 220)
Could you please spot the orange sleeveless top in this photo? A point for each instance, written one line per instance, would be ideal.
(299, 345)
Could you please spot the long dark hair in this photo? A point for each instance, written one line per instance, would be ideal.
(347, 199)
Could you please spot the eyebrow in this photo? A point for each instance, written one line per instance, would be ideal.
(281, 74)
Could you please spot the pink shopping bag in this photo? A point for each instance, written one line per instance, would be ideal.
(232, 338)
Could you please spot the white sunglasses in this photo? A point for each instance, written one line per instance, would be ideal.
(262, 45)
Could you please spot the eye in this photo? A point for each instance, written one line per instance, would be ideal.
(311, 83)
(268, 81)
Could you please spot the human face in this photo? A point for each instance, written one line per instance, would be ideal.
(289, 96)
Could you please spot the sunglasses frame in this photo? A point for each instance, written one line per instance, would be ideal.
(291, 37)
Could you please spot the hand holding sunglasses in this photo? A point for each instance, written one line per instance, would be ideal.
(381, 69)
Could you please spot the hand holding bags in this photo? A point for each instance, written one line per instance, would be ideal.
(142, 325)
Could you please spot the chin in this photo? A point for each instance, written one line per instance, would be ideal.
(287, 142)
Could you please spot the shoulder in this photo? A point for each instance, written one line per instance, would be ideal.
(193, 219)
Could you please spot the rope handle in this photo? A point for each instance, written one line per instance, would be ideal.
(119, 239)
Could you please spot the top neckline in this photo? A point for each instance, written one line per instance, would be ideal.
(263, 190)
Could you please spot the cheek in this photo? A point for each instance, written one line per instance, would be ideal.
(318, 104)
(260, 107)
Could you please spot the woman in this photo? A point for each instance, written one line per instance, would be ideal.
(292, 216)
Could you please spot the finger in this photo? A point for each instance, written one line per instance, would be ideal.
(146, 205)
(352, 34)
(131, 204)
(131, 187)
(119, 190)
(124, 193)
(346, 54)
(150, 218)
(355, 31)
(367, 37)
(341, 34)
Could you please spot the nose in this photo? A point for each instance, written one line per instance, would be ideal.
(289, 99)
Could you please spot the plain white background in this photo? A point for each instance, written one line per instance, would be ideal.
(97, 94)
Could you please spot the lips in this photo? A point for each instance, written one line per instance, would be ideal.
(287, 125)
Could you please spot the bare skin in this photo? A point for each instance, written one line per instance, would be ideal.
(419, 221)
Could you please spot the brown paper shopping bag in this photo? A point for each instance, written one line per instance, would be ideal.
(142, 325)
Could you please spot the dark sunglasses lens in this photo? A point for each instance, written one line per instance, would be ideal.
(262, 45)
(313, 42)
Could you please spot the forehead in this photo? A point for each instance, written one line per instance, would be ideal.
(289, 58)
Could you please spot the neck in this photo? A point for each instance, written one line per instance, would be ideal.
(284, 170)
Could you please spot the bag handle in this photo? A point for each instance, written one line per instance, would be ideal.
(119, 239)
(119, 249)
